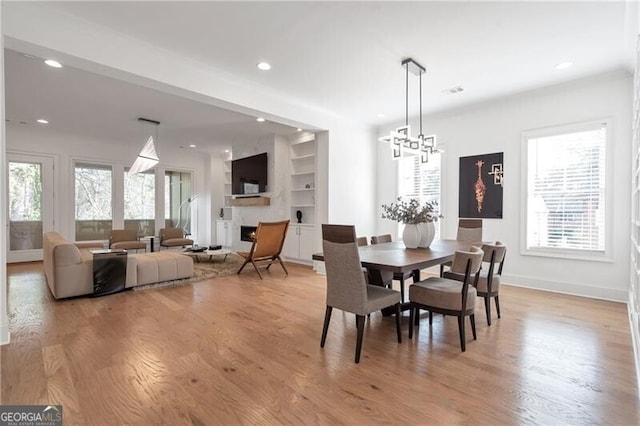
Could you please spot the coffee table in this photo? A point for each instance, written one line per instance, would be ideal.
(197, 254)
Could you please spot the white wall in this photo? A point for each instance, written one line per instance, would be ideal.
(65, 148)
(497, 127)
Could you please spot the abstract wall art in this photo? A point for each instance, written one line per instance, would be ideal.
(480, 194)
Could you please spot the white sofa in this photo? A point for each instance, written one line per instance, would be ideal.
(69, 267)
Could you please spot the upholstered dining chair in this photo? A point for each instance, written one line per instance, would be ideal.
(346, 286)
(173, 237)
(398, 276)
(126, 239)
(470, 231)
(447, 296)
(266, 246)
(362, 241)
(489, 281)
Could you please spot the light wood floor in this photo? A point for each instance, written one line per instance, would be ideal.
(240, 350)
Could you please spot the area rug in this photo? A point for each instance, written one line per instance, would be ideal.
(204, 269)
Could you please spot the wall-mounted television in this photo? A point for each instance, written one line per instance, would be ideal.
(249, 175)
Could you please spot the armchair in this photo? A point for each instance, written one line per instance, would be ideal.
(267, 245)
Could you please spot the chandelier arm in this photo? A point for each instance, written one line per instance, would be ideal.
(420, 79)
(406, 95)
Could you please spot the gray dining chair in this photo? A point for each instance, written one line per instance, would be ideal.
(347, 289)
(448, 296)
(470, 231)
(489, 281)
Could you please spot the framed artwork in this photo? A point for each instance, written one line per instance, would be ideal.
(480, 194)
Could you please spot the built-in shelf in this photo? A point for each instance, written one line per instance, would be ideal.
(250, 201)
(302, 205)
(302, 189)
(303, 173)
(303, 157)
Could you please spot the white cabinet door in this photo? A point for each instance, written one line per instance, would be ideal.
(224, 236)
(291, 243)
(307, 243)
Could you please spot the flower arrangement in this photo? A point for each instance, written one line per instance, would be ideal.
(411, 212)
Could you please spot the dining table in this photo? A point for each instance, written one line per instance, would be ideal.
(384, 259)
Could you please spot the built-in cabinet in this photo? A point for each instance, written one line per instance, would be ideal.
(224, 233)
(227, 183)
(299, 244)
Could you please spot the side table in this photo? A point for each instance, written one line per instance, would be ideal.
(109, 271)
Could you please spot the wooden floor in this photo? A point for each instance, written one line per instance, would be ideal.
(238, 350)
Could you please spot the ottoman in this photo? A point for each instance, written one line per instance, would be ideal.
(148, 268)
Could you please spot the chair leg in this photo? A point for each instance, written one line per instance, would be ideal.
(417, 316)
(498, 306)
(430, 318)
(282, 264)
(441, 270)
(256, 268)
(243, 265)
(360, 325)
(487, 308)
(402, 289)
(325, 328)
(461, 329)
(398, 323)
(412, 314)
(472, 318)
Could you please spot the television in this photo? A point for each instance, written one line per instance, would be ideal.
(249, 175)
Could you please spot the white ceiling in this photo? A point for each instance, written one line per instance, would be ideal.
(340, 56)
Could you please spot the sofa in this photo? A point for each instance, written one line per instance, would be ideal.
(69, 266)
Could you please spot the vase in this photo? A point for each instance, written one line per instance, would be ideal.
(427, 234)
(411, 235)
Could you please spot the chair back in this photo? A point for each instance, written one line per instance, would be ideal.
(118, 235)
(362, 241)
(494, 254)
(469, 230)
(170, 233)
(269, 239)
(467, 263)
(379, 239)
(346, 286)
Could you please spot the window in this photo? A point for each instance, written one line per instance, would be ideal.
(93, 211)
(421, 180)
(177, 197)
(565, 191)
(140, 202)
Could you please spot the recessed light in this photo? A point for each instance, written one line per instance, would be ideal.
(52, 63)
(260, 119)
(298, 129)
(26, 55)
(564, 65)
(380, 115)
(453, 90)
(192, 146)
(263, 66)
(226, 150)
(42, 121)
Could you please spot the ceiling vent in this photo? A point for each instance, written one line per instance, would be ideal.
(453, 90)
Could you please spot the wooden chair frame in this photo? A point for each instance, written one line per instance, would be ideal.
(255, 257)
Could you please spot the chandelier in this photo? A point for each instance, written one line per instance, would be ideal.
(147, 158)
(400, 139)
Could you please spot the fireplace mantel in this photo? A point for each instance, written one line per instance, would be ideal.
(250, 201)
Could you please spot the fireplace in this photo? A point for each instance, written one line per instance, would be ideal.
(246, 232)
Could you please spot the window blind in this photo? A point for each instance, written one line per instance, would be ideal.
(421, 180)
(566, 190)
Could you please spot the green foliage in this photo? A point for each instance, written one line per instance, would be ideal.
(411, 212)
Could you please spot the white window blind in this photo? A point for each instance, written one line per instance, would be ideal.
(421, 180)
(566, 190)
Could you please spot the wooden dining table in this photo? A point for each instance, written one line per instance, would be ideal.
(385, 259)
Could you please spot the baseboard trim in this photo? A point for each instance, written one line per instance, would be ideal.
(634, 324)
(573, 289)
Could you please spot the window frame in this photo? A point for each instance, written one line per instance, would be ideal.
(566, 253)
(78, 162)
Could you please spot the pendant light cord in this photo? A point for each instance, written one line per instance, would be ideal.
(420, 103)
(406, 95)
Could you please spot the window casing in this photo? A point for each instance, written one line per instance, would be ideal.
(140, 202)
(566, 196)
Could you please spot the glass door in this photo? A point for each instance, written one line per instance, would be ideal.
(30, 205)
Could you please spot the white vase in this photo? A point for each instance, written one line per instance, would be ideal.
(411, 235)
(427, 234)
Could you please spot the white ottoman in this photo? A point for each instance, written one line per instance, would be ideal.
(148, 268)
